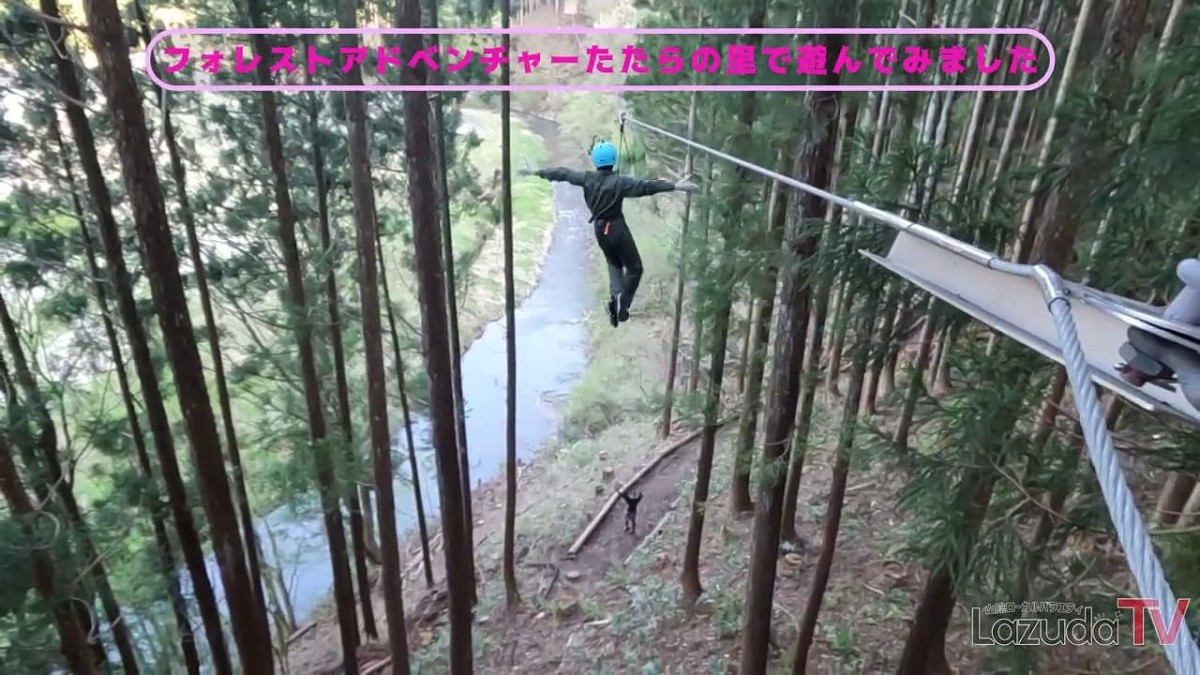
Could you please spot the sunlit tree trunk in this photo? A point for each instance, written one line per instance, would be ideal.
(664, 426)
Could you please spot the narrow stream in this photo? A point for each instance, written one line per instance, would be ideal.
(551, 356)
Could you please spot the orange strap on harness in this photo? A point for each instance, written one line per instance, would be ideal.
(606, 224)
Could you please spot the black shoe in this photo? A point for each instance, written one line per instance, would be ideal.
(622, 309)
(612, 312)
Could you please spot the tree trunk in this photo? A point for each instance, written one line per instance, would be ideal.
(925, 648)
(512, 593)
(413, 467)
(435, 77)
(343, 585)
(816, 337)
(1010, 130)
(704, 262)
(166, 558)
(760, 335)
(362, 190)
(1025, 234)
(814, 160)
(156, 414)
(941, 374)
(837, 488)
(213, 333)
(1174, 497)
(73, 641)
(886, 327)
(250, 628)
(432, 296)
(725, 275)
(1054, 502)
(839, 327)
(363, 197)
(664, 427)
(361, 536)
(885, 383)
(916, 378)
(744, 340)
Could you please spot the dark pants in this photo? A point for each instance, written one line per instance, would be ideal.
(621, 254)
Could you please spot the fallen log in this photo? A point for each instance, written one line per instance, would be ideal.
(377, 666)
(612, 500)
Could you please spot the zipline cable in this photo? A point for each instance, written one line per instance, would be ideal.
(1118, 498)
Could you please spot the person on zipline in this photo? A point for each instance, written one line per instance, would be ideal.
(603, 191)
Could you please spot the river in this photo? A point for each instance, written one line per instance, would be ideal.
(551, 356)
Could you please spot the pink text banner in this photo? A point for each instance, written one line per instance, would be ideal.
(605, 59)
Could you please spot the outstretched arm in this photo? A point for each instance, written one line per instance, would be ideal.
(561, 175)
(634, 187)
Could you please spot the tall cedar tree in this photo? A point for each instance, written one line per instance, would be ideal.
(731, 215)
(814, 162)
(358, 519)
(363, 193)
(250, 628)
(343, 586)
(213, 332)
(413, 468)
(162, 541)
(460, 415)
(664, 425)
(432, 296)
(122, 285)
(511, 591)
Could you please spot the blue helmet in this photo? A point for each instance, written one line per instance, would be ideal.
(604, 154)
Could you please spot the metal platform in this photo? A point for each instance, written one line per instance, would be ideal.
(1016, 307)
(1140, 315)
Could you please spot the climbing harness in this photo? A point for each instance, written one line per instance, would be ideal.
(991, 289)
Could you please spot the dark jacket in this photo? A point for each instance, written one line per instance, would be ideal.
(603, 191)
